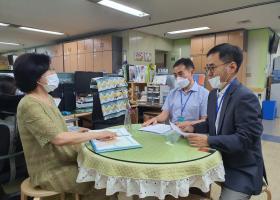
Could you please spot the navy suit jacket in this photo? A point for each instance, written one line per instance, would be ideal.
(238, 137)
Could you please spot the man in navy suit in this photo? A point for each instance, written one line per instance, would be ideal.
(233, 126)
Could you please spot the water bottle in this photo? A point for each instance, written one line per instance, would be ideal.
(127, 118)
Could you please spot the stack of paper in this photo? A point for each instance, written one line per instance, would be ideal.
(123, 141)
(157, 128)
(178, 130)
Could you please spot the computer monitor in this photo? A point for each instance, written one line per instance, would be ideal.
(82, 81)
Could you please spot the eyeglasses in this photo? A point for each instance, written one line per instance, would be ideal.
(211, 67)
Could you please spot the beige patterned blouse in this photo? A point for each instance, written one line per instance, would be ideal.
(48, 165)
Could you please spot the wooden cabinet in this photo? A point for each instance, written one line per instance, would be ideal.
(70, 48)
(221, 38)
(85, 46)
(107, 61)
(196, 46)
(199, 62)
(57, 63)
(102, 61)
(85, 62)
(208, 42)
(237, 38)
(70, 63)
(89, 62)
(56, 54)
(102, 43)
(54, 50)
(202, 44)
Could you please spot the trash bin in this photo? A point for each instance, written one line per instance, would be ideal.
(269, 110)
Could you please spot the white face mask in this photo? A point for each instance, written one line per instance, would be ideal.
(52, 83)
(182, 82)
(215, 82)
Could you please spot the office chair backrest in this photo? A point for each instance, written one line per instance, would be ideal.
(4, 144)
(8, 104)
(98, 121)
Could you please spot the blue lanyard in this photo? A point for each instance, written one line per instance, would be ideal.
(183, 107)
(218, 106)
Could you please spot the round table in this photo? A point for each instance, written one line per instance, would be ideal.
(157, 169)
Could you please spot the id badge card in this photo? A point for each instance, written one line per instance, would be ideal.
(181, 119)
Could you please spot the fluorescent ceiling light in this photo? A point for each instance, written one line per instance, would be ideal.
(9, 43)
(3, 24)
(40, 30)
(189, 30)
(122, 8)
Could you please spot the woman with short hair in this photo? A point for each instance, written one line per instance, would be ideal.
(49, 149)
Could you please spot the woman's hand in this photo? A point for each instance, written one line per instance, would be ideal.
(105, 135)
(82, 129)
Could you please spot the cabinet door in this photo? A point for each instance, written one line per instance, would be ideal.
(107, 61)
(81, 62)
(107, 43)
(70, 48)
(74, 62)
(81, 46)
(97, 61)
(57, 63)
(236, 38)
(203, 63)
(197, 63)
(89, 62)
(196, 45)
(97, 44)
(208, 42)
(67, 67)
(221, 38)
(88, 45)
(56, 50)
(70, 63)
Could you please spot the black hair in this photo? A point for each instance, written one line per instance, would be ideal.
(228, 53)
(28, 68)
(7, 85)
(184, 61)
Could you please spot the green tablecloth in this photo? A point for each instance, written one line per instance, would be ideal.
(156, 160)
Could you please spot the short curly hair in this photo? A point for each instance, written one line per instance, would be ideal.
(28, 68)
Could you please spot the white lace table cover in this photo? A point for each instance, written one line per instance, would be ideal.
(156, 188)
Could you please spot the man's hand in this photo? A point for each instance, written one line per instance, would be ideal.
(198, 140)
(188, 129)
(152, 121)
(182, 125)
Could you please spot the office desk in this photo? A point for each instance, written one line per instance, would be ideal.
(77, 114)
(157, 169)
(154, 108)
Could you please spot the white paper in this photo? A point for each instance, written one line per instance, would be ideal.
(119, 143)
(119, 131)
(178, 130)
(157, 128)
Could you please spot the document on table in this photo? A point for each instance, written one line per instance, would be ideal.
(118, 131)
(157, 128)
(119, 143)
(123, 141)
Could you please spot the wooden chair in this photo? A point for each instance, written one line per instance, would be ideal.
(267, 191)
(28, 191)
